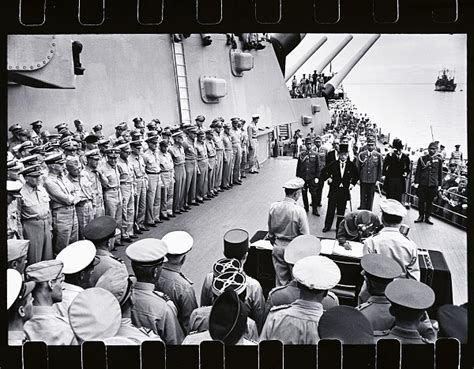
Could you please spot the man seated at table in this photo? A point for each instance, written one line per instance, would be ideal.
(357, 226)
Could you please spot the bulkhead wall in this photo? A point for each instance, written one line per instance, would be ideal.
(261, 90)
(126, 76)
(303, 107)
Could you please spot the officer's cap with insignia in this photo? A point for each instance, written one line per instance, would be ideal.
(177, 133)
(70, 146)
(17, 249)
(433, 145)
(228, 318)
(37, 149)
(308, 140)
(122, 126)
(255, 116)
(300, 247)
(97, 127)
(55, 158)
(236, 243)
(60, 126)
(44, 271)
(200, 118)
(25, 145)
(152, 136)
(226, 265)
(235, 280)
(125, 147)
(317, 272)
(166, 132)
(226, 125)
(380, 266)
(93, 154)
(147, 251)
(318, 138)
(393, 207)
(151, 124)
(410, 294)
(138, 122)
(156, 120)
(77, 256)
(136, 143)
(294, 184)
(16, 288)
(15, 127)
(95, 314)
(117, 282)
(347, 325)
(192, 129)
(100, 228)
(32, 171)
(14, 187)
(112, 152)
(178, 242)
(64, 140)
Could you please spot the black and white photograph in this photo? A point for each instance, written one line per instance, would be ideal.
(236, 187)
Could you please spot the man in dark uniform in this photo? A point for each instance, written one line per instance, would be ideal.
(322, 154)
(357, 226)
(428, 179)
(342, 176)
(395, 169)
(307, 168)
(369, 164)
(409, 299)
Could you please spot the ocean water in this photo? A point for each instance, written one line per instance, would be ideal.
(408, 110)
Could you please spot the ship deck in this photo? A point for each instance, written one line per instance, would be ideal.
(246, 207)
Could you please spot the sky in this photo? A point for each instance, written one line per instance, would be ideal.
(394, 58)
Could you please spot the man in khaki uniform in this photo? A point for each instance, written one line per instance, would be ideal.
(177, 153)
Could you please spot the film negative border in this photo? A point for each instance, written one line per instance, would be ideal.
(217, 15)
(329, 354)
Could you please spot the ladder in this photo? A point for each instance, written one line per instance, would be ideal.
(181, 81)
(284, 130)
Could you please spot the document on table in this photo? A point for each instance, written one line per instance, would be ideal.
(327, 246)
(262, 245)
(356, 252)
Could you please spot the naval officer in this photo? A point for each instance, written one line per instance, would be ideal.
(297, 249)
(286, 221)
(46, 324)
(117, 282)
(409, 300)
(172, 281)
(428, 179)
(63, 200)
(152, 309)
(19, 306)
(297, 323)
(101, 231)
(378, 271)
(79, 259)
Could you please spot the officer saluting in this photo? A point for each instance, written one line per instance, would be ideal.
(409, 299)
(172, 281)
(152, 309)
(428, 179)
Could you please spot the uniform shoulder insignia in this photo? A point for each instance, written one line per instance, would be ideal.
(383, 333)
(163, 295)
(364, 305)
(280, 307)
(116, 258)
(145, 331)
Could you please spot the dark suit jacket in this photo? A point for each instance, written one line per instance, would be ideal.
(351, 176)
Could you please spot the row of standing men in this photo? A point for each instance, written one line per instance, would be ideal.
(57, 187)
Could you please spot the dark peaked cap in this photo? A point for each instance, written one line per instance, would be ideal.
(228, 318)
(346, 324)
(100, 228)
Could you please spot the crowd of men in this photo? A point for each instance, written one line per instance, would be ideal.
(85, 293)
(356, 158)
(311, 86)
(58, 182)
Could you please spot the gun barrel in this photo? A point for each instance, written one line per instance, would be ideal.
(330, 57)
(303, 58)
(335, 81)
(283, 44)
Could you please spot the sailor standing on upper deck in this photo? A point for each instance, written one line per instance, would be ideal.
(286, 221)
(428, 179)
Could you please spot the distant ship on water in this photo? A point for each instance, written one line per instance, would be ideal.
(445, 81)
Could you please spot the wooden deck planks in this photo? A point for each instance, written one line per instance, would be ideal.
(247, 207)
